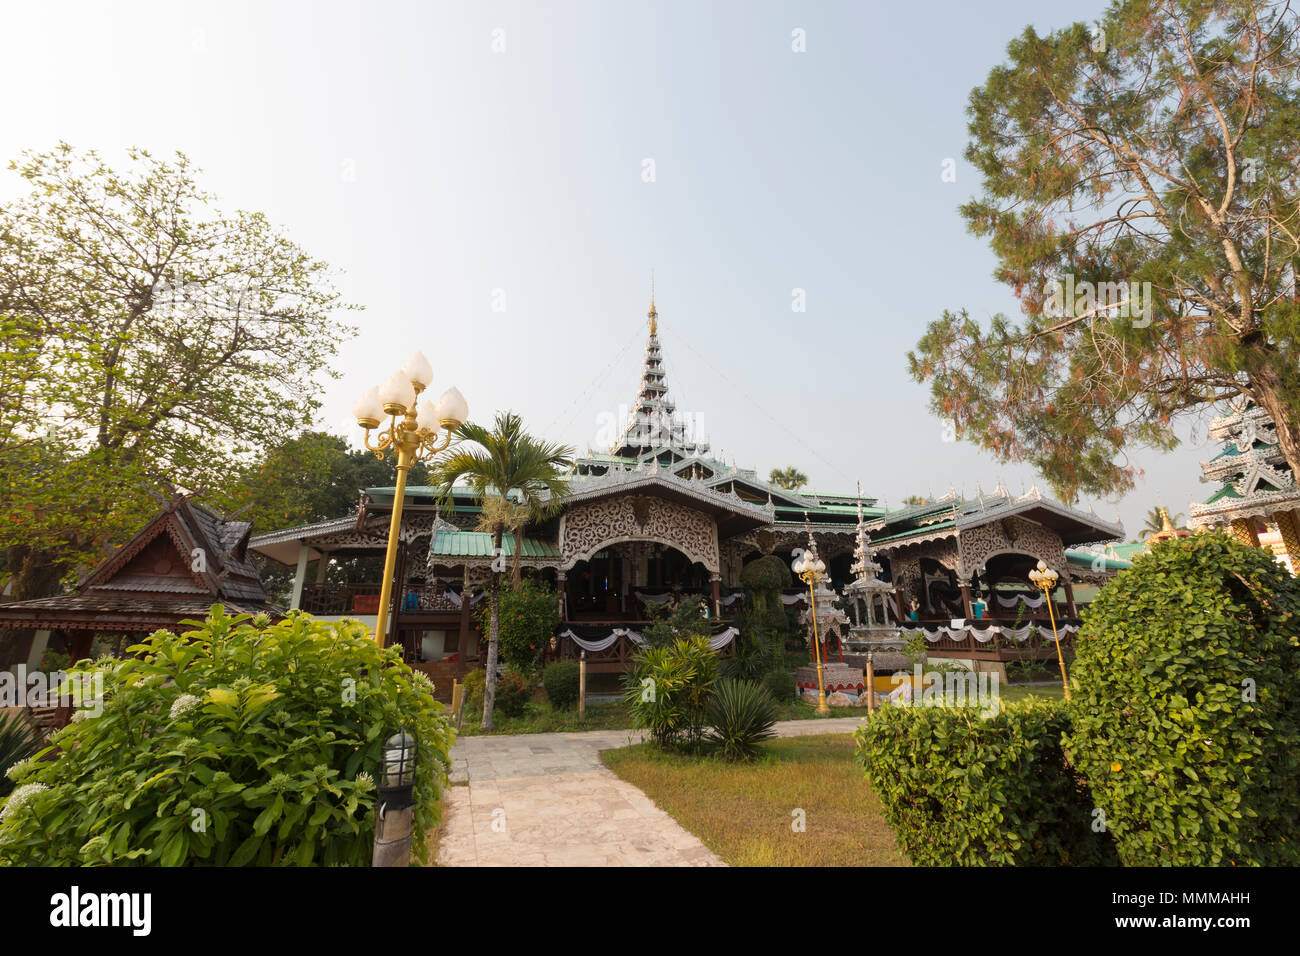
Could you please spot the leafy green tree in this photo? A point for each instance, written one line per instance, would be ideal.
(529, 615)
(1154, 154)
(160, 344)
(310, 477)
(791, 479)
(508, 468)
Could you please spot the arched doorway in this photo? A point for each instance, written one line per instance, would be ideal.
(633, 580)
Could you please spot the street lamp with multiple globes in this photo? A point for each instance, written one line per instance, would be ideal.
(812, 569)
(416, 429)
(1046, 579)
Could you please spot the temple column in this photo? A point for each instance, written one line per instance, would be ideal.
(1289, 528)
(465, 644)
(716, 580)
(561, 581)
(965, 600)
(1069, 597)
(36, 651)
(322, 565)
(1243, 529)
(299, 576)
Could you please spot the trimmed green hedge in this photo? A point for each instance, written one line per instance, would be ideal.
(1187, 706)
(961, 790)
(561, 681)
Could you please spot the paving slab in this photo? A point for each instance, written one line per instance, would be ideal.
(547, 800)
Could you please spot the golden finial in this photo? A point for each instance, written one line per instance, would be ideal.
(652, 314)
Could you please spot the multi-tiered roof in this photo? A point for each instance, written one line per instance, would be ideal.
(654, 430)
(1252, 475)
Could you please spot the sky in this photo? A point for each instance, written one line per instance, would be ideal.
(495, 183)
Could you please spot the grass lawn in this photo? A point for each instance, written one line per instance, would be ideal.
(745, 812)
(1010, 693)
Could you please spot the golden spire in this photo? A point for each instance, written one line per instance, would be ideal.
(1167, 525)
(652, 314)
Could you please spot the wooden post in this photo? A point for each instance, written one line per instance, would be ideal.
(457, 700)
(717, 597)
(463, 646)
(1069, 598)
(582, 688)
(965, 600)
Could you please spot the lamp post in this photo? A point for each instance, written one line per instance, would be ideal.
(1046, 579)
(413, 429)
(393, 802)
(812, 569)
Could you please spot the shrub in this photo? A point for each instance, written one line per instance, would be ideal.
(752, 654)
(19, 741)
(780, 684)
(765, 619)
(1187, 720)
(741, 715)
(560, 680)
(475, 688)
(768, 573)
(234, 743)
(667, 688)
(529, 615)
(683, 623)
(961, 790)
(514, 690)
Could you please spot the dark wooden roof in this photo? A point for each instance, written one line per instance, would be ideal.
(177, 566)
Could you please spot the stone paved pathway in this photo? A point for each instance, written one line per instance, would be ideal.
(547, 800)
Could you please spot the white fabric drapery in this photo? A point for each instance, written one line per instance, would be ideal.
(653, 599)
(716, 642)
(792, 598)
(457, 600)
(1021, 599)
(933, 635)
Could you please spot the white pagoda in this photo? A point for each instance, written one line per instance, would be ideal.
(875, 628)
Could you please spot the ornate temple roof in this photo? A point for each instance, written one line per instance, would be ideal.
(179, 564)
(1251, 473)
(654, 429)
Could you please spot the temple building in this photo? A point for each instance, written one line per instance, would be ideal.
(1255, 498)
(656, 520)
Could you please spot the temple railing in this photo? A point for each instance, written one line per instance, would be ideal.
(1001, 639)
(363, 599)
(358, 599)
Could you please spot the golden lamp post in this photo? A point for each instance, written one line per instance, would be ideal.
(1046, 578)
(812, 569)
(414, 430)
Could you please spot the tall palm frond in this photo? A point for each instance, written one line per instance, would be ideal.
(517, 479)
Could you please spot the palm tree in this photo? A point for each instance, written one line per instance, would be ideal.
(1155, 522)
(516, 478)
(791, 479)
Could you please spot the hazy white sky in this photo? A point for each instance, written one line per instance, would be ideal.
(453, 158)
